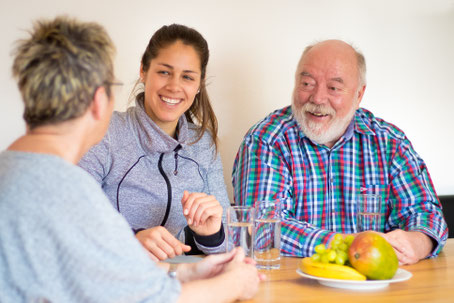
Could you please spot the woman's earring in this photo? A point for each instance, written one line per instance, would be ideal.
(198, 91)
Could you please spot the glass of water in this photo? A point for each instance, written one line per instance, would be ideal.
(267, 234)
(369, 212)
(240, 220)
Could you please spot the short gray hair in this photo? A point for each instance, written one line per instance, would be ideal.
(59, 68)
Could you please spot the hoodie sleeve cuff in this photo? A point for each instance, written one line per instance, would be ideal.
(211, 240)
(137, 230)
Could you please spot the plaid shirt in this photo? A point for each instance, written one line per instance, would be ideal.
(318, 185)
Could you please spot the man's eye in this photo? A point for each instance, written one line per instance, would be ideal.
(306, 85)
(163, 72)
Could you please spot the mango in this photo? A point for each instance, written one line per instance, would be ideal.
(371, 255)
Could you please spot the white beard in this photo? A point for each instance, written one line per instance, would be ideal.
(314, 131)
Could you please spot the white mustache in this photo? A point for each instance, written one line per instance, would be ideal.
(318, 109)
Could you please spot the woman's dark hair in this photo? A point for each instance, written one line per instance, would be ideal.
(200, 112)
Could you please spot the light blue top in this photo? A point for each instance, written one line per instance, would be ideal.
(126, 164)
(61, 240)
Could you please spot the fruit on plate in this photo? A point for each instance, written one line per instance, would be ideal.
(329, 270)
(373, 256)
(336, 253)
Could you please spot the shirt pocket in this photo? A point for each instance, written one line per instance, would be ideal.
(377, 189)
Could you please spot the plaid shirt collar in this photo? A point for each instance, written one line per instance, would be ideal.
(356, 125)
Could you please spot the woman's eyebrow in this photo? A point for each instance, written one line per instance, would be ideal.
(171, 67)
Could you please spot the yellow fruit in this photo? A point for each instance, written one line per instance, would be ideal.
(373, 256)
(332, 271)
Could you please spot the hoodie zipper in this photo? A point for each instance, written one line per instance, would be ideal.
(169, 190)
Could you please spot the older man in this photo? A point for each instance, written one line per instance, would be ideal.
(319, 154)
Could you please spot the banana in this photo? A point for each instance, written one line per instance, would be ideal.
(332, 271)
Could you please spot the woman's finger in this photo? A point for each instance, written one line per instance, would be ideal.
(157, 251)
(189, 201)
(175, 247)
(211, 209)
(198, 202)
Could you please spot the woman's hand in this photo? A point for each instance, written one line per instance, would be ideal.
(242, 271)
(208, 267)
(214, 265)
(203, 213)
(228, 277)
(160, 243)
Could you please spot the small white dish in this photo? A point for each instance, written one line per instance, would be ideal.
(401, 275)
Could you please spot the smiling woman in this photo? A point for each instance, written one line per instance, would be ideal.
(171, 82)
(168, 37)
(159, 163)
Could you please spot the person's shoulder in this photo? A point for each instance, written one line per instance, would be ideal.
(120, 120)
(368, 122)
(49, 178)
(204, 144)
(121, 130)
(27, 163)
(275, 125)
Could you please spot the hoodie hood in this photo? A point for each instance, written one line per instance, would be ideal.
(151, 137)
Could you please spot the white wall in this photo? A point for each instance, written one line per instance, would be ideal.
(255, 46)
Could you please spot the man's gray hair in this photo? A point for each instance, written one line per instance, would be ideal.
(361, 61)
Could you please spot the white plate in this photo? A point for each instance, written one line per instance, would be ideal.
(401, 275)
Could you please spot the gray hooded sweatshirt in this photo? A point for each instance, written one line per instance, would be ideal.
(144, 172)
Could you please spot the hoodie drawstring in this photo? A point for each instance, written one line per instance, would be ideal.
(176, 150)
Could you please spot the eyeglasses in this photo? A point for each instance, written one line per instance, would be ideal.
(108, 85)
(117, 87)
(113, 83)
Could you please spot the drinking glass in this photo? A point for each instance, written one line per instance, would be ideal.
(267, 234)
(369, 213)
(240, 220)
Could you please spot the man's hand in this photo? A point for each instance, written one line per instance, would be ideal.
(160, 243)
(410, 246)
(203, 213)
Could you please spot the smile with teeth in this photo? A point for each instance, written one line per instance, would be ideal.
(170, 100)
(318, 114)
